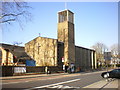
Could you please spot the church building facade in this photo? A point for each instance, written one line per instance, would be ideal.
(61, 51)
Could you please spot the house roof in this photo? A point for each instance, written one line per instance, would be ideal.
(17, 51)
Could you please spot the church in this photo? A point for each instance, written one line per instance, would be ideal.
(61, 51)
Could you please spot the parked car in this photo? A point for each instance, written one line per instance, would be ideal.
(111, 74)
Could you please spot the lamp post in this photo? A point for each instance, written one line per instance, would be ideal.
(106, 57)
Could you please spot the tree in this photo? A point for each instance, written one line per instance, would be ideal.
(100, 48)
(114, 50)
(15, 11)
(115, 53)
(17, 43)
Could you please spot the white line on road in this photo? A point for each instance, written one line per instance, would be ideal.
(16, 82)
(54, 84)
(10, 83)
(62, 87)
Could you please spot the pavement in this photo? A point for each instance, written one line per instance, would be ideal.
(105, 83)
(30, 76)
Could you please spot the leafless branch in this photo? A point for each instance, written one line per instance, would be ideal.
(11, 14)
(15, 11)
(8, 21)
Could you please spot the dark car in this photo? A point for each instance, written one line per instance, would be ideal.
(111, 74)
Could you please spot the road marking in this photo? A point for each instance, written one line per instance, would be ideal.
(57, 86)
(16, 82)
(61, 86)
(27, 81)
(54, 84)
(10, 83)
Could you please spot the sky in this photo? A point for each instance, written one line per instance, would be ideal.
(93, 21)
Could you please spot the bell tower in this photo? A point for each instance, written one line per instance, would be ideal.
(66, 35)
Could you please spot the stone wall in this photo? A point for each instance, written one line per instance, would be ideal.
(43, 51)
(85, 58)
(66, 35)
(7, 57)
(63, 37)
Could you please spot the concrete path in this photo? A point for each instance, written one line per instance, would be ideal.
(110, 83)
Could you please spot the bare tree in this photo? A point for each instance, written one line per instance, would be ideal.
(115, 53)
(17, 43)
(114, 50)
(100, 48)
(15, 11)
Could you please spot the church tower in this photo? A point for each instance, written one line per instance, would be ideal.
(66, 35)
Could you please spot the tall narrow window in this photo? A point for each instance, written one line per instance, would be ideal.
(38, 48)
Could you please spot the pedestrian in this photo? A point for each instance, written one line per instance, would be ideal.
(69, 70)
(64, 68)
(48, 71)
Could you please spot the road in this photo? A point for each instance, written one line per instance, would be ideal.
(64, 81)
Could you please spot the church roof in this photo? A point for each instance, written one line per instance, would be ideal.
(65, 10)
(17, 51)
(85, 48)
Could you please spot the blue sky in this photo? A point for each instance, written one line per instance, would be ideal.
(94, 22)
